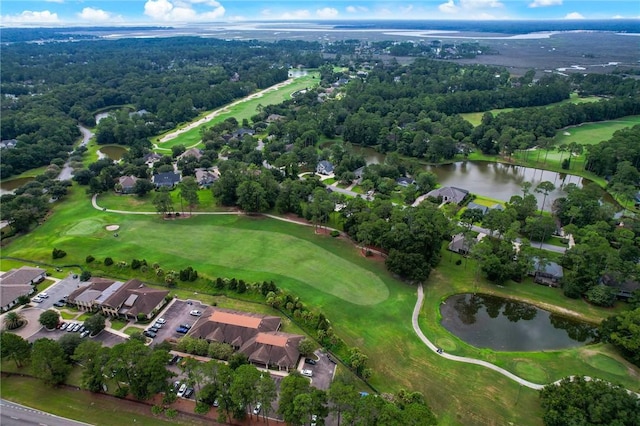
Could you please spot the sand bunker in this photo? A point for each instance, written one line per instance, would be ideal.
(112, 227)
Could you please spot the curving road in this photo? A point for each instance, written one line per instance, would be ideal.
(12, 414)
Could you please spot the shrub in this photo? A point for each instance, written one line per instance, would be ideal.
(141, 317)
(85, 275)
(122, 392)
(156, 410)
(108, 261)
(458, 262)
(135, 264)
(90, 259)
(58, 254)
(335, 233)
(219, 283)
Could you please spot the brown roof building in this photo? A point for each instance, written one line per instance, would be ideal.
(118, 299)
(16, 283)
(255, 335)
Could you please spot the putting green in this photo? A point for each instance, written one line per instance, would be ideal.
(608, 364)
(252, 251)
(85, 227)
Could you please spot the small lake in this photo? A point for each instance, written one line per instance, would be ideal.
(500, 324)
(495, 180)
(113, 152)
(8, 186)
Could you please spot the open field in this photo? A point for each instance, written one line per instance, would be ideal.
(594, 133)
(367, 307)
(244, 108)
(475, 118)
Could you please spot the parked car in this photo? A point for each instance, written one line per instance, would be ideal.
(173, 360)
(36, 300)
(188, 393)
(59, 304)
(157, 325)
(182, 330)
(314, 420)
(84, 334)
(63, 325)
(161, 320)
(149, 333)
(257, 408)
(182, 390)
(59, 325)
(82, 329)
(310, 361)
(77, 327)
(70, 327)
(187, 326)
(154, 329)
(307, 373)
(176, 385)
(43, 295)
(178, 359)
(195, 313)
(216, 403)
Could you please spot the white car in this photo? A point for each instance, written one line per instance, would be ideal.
(182, 389)
(36, 300)
(314, 420)
(43, 295)
(307, 373)
(195, 313)
(161, 321)
(257, 408)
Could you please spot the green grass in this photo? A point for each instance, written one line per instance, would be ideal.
(67, 315)
(133, 203)
(594, 133)
(80, 405)
(118, 324)
(245, 109)
(368, 307)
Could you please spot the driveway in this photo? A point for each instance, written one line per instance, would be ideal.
(323, 370)
(175, 314)
(31, 315)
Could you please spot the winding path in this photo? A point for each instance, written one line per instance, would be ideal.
(414, 317)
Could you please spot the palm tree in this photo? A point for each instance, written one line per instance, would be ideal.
(544, 188)
(13, 320)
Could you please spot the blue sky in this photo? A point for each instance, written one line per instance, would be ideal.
(168, 12)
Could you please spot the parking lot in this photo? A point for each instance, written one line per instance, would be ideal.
(105, 338)
(177, 313)
(323, 370)
(59, 290)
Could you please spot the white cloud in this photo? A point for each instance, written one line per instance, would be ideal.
(54, 1)
(545, 3)
(479, 4)
(448, 7)
(182, 10)
(406, 9)
(327, 12)
(94, 15)
(31, 18)
(356, 9)
(296, 14)
(574, 15)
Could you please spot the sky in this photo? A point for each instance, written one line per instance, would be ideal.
(173, 12)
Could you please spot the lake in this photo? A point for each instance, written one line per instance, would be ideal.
(494, 180)
(501, 324)
(8, 186)
(113, 152)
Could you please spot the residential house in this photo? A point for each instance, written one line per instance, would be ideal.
(475, 206)
(118, 299)
(624, 289)
(272, 118)
(449, 194)
(358, 173)
(546, 273)
(255, 335)
(324, 168)
(206, 177)
(191, 152)
(8, 143)
(239, 134)
(126, 184)
(151, 158)
(17, 283)
(166, 180)
(405, 181)
(459, 244)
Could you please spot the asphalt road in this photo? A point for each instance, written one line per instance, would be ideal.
(12, 414)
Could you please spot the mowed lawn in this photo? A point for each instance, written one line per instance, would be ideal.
(367, 307)
(594, 133)
(245, 108)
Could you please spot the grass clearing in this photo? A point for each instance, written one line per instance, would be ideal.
(594, 133)
(368, 308)
(240, 110)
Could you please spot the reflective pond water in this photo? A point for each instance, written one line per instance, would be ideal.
(486, 321)
(112, 152)
(8, 186)
(495, 180)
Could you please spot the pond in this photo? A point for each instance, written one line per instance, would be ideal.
(495, 180)
(486, 321)
(113, 152)
(8, 186)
